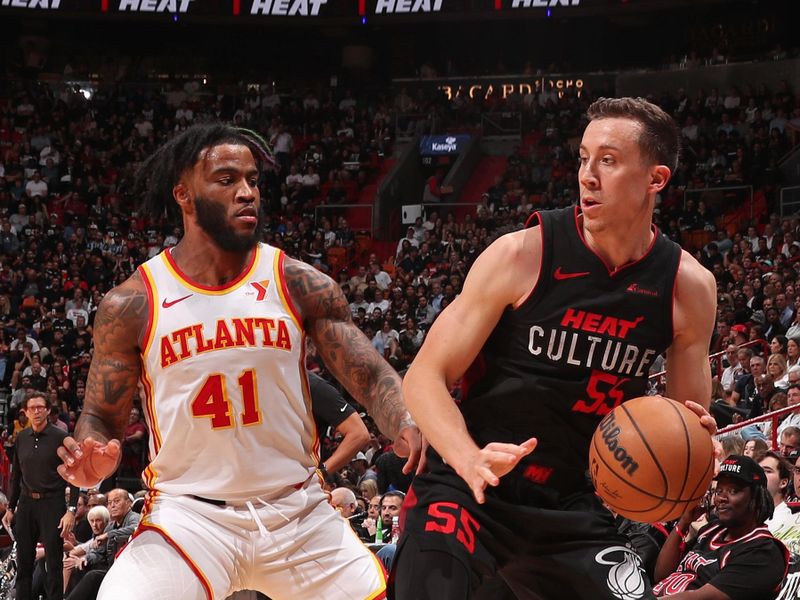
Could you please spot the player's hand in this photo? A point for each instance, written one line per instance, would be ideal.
(409, 443)
(492, 462)
(66, 524)
(89, 462)
(706, 420)
(7, 519)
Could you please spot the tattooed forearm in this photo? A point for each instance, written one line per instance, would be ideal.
(367, 376)
(346, 351)
(115, 369)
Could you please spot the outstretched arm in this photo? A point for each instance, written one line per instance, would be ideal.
(349, 355)
(502, 276)
(94, 451)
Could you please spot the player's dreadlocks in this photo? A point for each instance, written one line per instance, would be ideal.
(162, 171)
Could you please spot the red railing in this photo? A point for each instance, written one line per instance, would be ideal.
(773, 416)
(714, 357)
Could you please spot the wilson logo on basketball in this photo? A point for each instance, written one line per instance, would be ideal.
(610, 431)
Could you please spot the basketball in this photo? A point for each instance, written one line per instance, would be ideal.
(650, 459)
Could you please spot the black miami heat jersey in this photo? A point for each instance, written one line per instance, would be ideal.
(752, 566)
(578, 346)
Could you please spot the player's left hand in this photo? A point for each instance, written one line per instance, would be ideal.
(410, 443)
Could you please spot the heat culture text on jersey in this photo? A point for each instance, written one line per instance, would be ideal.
(591, 340)
(259, 332)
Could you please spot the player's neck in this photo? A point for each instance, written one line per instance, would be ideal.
(619, 248)
(206, 263)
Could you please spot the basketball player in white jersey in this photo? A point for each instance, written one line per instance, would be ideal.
(214, 331)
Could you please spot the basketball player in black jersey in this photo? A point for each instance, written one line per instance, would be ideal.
(560, 323)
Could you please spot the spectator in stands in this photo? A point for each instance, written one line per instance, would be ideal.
(390, 473)
(755, 448)
(55, 418)
(744, 391)
(22, 338)
(779, 474)
(97, 518)
(382, 278)
(722, 560)
(82, 530)
(35, 187)
(776, 368)
(434, 190)
(98, 560)
(785, 309)
(792, 352)
(793, 375)
(344, 500)
(361, 468)
(732, 371)
(134, 445)
(387, 340)
(370, 523)
(391, 502)
(793, 399)
(789, 440)
(368, 489)
(777, 345)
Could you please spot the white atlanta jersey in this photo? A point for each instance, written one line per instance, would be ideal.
(226, 390)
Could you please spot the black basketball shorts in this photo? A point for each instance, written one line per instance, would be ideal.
(453, 548)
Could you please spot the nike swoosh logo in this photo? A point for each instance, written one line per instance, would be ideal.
(560, 275)
(344, 408)
(167, 304)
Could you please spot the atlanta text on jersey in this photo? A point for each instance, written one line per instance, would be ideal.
(228, 333)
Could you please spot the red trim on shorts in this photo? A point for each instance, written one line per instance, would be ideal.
(195, 569)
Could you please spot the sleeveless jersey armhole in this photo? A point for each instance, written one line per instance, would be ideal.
(538, 219)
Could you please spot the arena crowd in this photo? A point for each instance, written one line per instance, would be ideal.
(69, 231)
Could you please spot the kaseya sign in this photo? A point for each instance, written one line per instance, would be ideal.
(437, 145)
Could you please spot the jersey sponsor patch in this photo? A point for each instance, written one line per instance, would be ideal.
(625, 579)
(261, 289)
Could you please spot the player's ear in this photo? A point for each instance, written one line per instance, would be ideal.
(659, 177)
(181, 194)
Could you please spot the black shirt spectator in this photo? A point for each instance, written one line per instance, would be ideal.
(37, 501)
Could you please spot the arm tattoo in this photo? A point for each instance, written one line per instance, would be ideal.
(346, 351)
(116, 366)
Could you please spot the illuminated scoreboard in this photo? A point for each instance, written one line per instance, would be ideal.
(337, 10)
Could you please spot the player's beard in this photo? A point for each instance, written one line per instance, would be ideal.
(212, 217)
